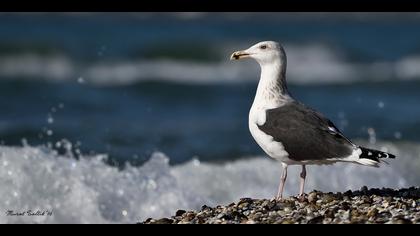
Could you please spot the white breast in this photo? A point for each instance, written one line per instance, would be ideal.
(257, 116)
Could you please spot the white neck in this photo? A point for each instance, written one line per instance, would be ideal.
(272, 90)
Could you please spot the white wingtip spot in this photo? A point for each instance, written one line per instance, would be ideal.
(332, 129)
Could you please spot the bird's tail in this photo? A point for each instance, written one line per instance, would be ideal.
(372, 157)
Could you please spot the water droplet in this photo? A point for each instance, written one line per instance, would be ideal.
(49, 132)
(50, 120)
(80, 80)
(381, 104)
(124, 213)
(77, 151)
(61, 105)
(397, 135)
(151, 184)
(196, 162)
(372, 135)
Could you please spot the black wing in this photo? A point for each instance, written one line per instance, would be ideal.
(305, 133)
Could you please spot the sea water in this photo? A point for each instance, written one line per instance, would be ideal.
(118, 118)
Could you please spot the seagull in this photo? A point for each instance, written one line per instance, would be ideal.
(291, 132)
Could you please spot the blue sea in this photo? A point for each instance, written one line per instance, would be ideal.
(115, 118)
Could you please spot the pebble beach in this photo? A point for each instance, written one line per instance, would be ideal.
(364, 206)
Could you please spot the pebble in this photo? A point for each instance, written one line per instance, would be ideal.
(312, 197)
(372, 212)
(179, 212)
(380, 206)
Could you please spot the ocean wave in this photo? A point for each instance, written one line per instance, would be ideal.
(89, 191)
(307, 64)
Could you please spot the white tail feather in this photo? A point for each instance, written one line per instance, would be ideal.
(355, 158)
(367, 162)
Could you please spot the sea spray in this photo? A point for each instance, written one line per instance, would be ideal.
(88, 190)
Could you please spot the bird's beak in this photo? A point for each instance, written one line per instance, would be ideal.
(239, 55)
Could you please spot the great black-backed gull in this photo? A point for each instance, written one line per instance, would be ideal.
(290, 131)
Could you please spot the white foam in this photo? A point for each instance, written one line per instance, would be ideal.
(55, 68)
(90, 191)
(87, 190)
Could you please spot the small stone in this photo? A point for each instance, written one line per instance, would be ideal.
(372, 212)
(179, 212)
(244, 205)
(242, 200)
(385, 215)
(302, 199)
(348, 193)
(354, 213)
(346, 198)
(327, 221)
(316, 220)
(163, 221)
(270, 205)
(366, 199)
(312, 197)
(329, 213)
(287, 221)
(205, 207)
(237, 214)
(364, 189)
(287, 209)
(327, 198)
(339, 196)
(250, 222)
(189, 216)
(402, 221)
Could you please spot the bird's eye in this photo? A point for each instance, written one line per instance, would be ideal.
(263, 46)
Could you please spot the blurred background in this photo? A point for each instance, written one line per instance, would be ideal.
(136, 85)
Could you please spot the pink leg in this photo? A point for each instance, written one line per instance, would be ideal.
(282, 181)
(302, 180)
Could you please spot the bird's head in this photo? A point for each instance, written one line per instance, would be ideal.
(263, 52)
